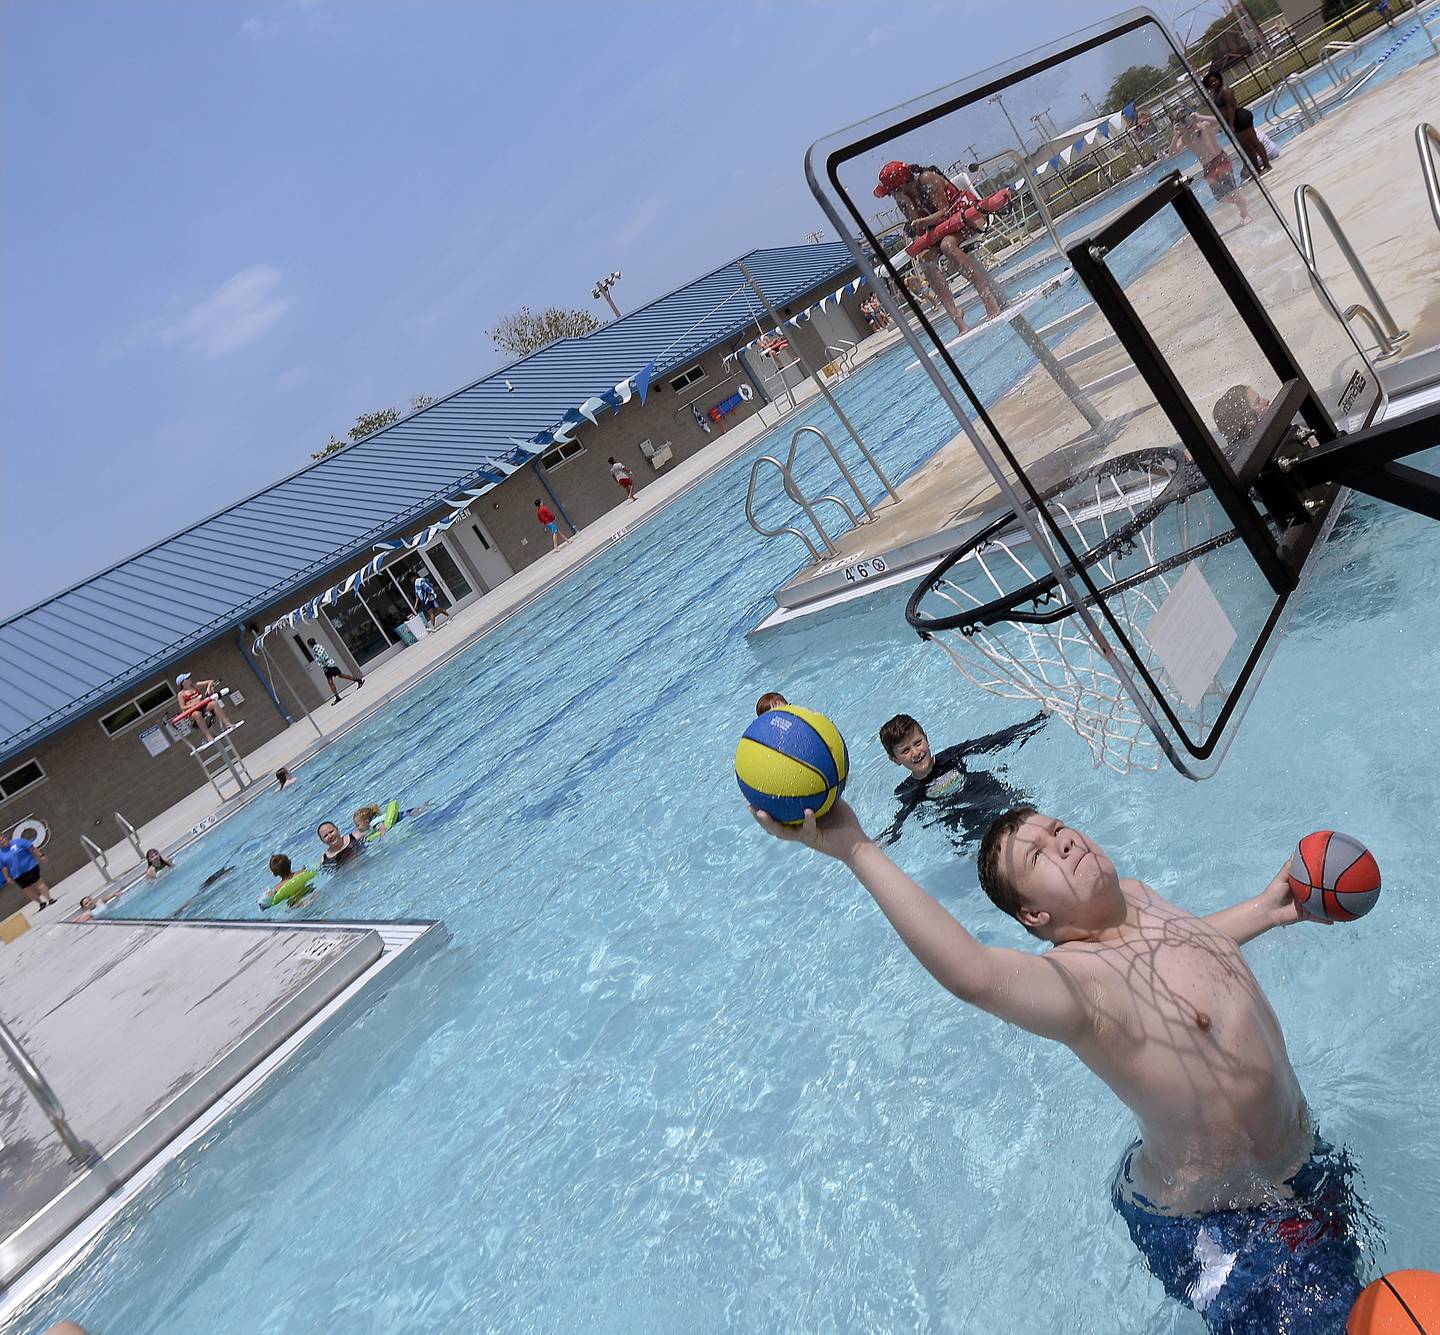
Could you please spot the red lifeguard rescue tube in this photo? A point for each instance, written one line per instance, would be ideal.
(198, 707)
(968, 214)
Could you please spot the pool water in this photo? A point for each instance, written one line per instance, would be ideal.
(670, 1074)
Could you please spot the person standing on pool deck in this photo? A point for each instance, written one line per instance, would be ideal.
(548, 522)
(1197, 133)
(331, 669)
(623, 479)
(20, 862)
(428, 601)
(1240, 119)
(1238, 1207)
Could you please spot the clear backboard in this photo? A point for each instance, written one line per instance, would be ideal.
(1141, 356)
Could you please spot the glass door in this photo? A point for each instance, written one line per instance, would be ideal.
(448, 569)
(352, 622)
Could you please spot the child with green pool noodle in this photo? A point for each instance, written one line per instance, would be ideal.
(280, 866)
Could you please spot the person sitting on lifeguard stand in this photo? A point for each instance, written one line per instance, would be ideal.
(199, 701)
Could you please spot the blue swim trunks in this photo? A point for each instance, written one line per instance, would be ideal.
(1287, 1269)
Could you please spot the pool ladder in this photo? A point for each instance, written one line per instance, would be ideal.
(1376, 316)
(1427, 140)
(808, 504)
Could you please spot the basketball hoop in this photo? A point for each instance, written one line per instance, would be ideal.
(1005, 620)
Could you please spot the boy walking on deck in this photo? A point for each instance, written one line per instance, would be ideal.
(550, 524)
(331, 669)
(1238, 1207)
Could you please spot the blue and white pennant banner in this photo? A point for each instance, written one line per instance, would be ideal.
(482, 480)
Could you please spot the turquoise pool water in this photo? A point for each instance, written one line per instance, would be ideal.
(668, 1074)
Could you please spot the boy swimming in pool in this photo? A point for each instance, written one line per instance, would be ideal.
(280, 866)
(942, 787)
(1238, 1207)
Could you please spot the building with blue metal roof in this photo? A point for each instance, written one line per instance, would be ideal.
(85, 672)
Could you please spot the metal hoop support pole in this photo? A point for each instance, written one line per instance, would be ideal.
(822, 387)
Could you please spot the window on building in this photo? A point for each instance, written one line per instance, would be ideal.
(691, 375)
(561, 453)
(132, 711)
(481, 536)
(19, 779)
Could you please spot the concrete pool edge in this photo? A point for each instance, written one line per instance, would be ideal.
(46, 1246)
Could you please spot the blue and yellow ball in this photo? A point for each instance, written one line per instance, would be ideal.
(790, 760)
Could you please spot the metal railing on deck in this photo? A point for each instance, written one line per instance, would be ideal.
(49, 1101)
(1427, 140)
(1377, 315)
(808, 504)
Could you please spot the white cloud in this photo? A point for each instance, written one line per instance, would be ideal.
(235, 314)
(258, 29)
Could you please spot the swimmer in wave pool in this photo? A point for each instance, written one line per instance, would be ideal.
(1238, 1207)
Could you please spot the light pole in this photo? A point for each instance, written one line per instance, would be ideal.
(602, 289)
(1018, 139)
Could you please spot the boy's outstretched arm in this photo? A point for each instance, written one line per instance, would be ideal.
(1035, 992)
(1274, 906)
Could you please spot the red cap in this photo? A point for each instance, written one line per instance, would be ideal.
(892, 176)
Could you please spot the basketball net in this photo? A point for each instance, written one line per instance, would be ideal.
(1138, 529)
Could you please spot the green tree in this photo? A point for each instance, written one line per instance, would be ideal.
(1135, 84)
(525, 332)
(368, 423)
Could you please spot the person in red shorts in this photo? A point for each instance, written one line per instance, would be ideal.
(621, 474)
(548, 522)
(1198, 134)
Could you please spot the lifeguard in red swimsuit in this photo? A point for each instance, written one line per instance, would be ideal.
(943, 217)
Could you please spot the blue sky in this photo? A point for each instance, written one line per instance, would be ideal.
(230, 228)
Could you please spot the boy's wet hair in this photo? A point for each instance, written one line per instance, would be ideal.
(280, 866)
(770, 700)
(1234, 418)
(896, 730)
(1000, 889)
(366, 813)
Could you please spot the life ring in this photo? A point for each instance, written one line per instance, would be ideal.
(746, 392)
(289, 890)
(34, 829)
(199, 707)
(388, 817)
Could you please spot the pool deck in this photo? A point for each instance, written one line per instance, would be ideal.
(198, 1014)
(1361, 157)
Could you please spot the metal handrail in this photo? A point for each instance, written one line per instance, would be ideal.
(1305, 195)
(1427, 140)
(81, 1153)
(804, 505)
(96, 854)
(132, 836)
(1387, 347)
(839, 463)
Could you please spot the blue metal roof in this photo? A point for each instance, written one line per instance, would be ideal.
(87, 644)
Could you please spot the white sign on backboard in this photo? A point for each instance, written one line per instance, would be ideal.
(154, 740)
(1191, 635)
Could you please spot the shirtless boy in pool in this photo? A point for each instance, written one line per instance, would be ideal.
(1239, 1209)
